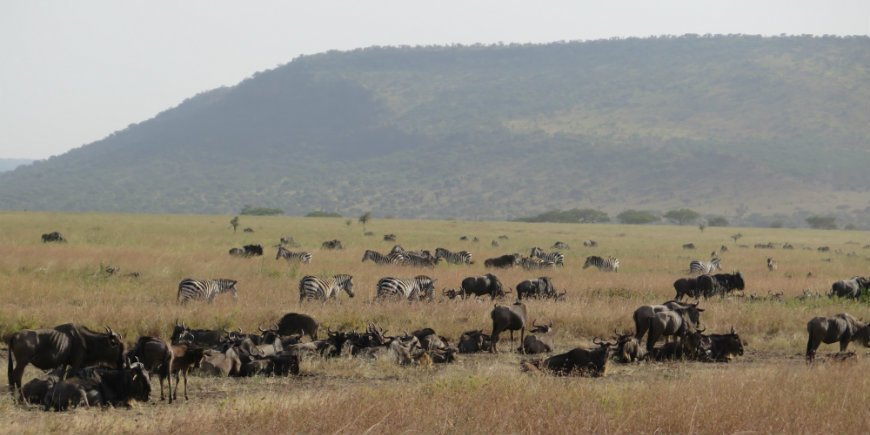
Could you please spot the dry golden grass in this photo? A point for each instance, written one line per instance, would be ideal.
(770, 389)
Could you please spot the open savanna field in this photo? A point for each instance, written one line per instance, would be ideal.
(769, 389)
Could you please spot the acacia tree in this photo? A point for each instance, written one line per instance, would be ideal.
(364, 219)
(235, 223)
(682, 216)
(822, 222)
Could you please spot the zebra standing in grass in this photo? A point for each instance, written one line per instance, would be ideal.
(610, 264)
(461, 257)
(415, 289)
(312, 287)
(702, 268)
(189, 289)
(556, 257)
(304, 257)
(379, 258)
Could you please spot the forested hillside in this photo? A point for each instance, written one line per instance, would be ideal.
(742, 126)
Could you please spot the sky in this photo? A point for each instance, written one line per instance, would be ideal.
(74, 72)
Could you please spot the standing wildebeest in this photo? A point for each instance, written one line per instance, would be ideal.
(295, 323)
(512, 318)
(503, 261)
(53, 236)
(536, 288)
(66, 345)
(184, 357)
(331, 244)
(482, 285)
(850, 288)
(686, 287)
(647, 313)
(841, 328)
(721, 283)
(156, 356)
(585, 362)
(678, 322)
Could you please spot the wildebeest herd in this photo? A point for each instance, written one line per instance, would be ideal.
(90, 368)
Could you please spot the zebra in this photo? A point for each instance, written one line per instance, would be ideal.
(556, 257)
(304, 257)
(312, 287)
(531, 263)
(379, 258)
(414, 260)
(416, 288)
(189, 289)
(461, 257)
(702, 268)
(771, 264)
(610, 264)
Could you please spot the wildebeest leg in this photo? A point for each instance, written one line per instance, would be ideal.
(522, 336)
(844, 343)
(174, 393)
(185, 384)
(812, 345)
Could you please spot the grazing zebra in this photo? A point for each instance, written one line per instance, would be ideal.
(702, 268)
(461, 257)
(304, 257)
(531, 263)
(189, 289)
(414, 289)
(312, 287)
(771, 264)
(414, 260)
(556, 257)
(610, 264)
(379, 258)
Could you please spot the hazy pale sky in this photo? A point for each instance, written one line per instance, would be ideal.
(74, 71)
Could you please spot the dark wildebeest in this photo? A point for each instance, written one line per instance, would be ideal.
(723, 347)
(248, 230)
(590, 243)
(253, 250)
(331, 244)
(35, 390)
(156, 356)
(841, 328)
(511, 318)
(474, 341)
(66, 345)
(389, 237)
(689, 246)
(536, 288)
(628, 348)
(582, 361)
(686, 287)
(200, 337)
(850, 288)
(533, 345)
(53, 236)
(237, 252)
(482, 285)
(643, 314)
(185, 356)
(503, 261)
(101, 387)
(721, 283)
(295, 323)
(678, 323)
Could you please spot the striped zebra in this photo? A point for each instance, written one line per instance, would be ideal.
(531, 263)
(414, 289)
(312, 287)
(461, 257)
(414, 260)
(610, 264)
(556, 257)
(189, 289)
(703, 268)
(379, 258)
(303, 257)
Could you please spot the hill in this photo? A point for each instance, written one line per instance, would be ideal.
(10, 164)
(741, 126)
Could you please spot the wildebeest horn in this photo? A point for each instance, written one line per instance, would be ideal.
(732, 329)
(701, 330)
(533, 322)
(595, 340)
(240, 329)
(261, 329)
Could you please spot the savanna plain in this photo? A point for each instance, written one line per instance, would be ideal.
(769, 389)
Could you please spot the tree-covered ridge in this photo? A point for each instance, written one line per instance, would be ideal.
(740, 126)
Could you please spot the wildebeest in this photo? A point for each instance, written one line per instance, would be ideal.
(648, 315)
(331, 244)
(720, 283)
(688, 246)
(101, 387)
(199, 337)
(217, 363)
(677, 322)
(686, 287)
(66, 345)
(560, 245)
(34, 391)
(155, 355)
(628, 348)
(536, 288)
(850, 288)
(504, 261)
(581, 361)
(389, 237)
(474, 341)
(842, 328)
(248, 230)
(487, 284)
(295, 323)
(723, 347)
(507, 318)
(237, 252)
(590, 243)
(184, 357)
(53, 236)
(253, 250)
(533, 345)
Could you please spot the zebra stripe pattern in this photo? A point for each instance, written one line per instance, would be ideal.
(314, 288)
(461, 257)
(555, 257)
(702, 268)
(194, 289)
(303, 257)
(419, 261)
(414, 289)
(379, 258)
(531, 263)
(609, 264)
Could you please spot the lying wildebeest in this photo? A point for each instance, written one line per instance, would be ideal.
(720, 283)
(536, 288)
(331, 244)
(533, 345)
(541, 329)
(34, 391)
(488, 284)
(101, 387)
(628, 348)
(248, 230)
(474, 341)
(842, 328)
(66, 345)
(156, 356)
(511, 318)
(560, 245)
(53, 236)
(503, 261)
(253, 250)
(688, 246)
(581, 361)
(643, 314)
(389, 237)
(723, 347)
(217, 363)
(295, 323)
(237, 252)
(850, 288)
(590, 243)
